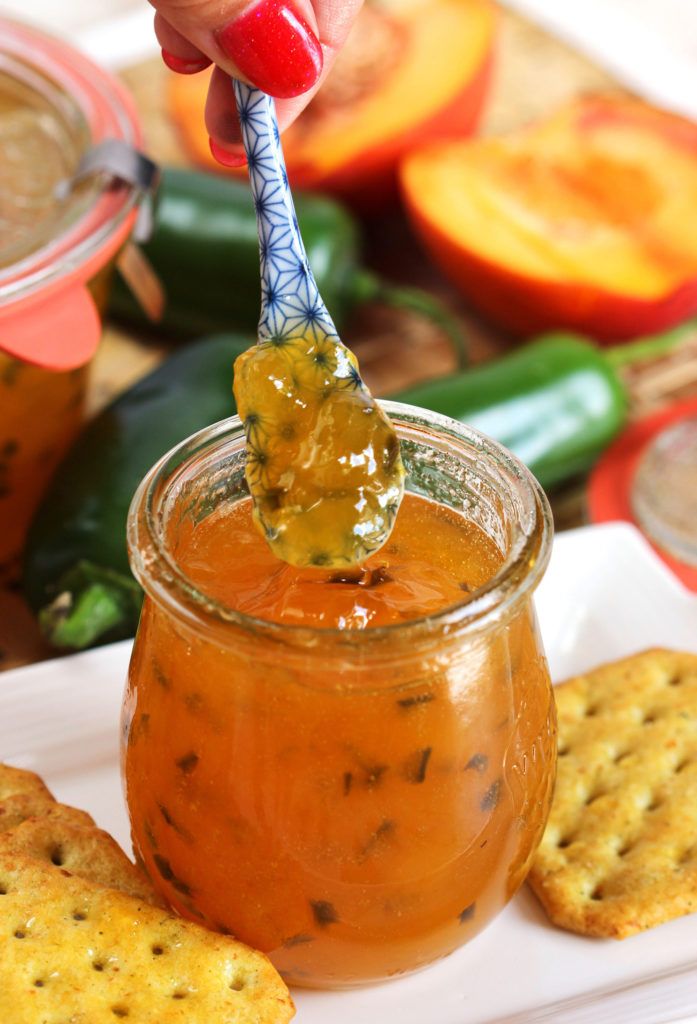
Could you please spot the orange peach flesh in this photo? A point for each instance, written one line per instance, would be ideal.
(602, 194)
(445, 44)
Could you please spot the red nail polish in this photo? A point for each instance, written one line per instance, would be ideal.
(225, 156)
(274, 48)
(185, 67)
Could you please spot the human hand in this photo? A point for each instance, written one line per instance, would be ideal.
(284, 47)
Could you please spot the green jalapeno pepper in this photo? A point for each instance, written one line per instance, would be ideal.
(205, 251)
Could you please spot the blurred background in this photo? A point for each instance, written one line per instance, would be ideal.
(650, 44)
(480, 177)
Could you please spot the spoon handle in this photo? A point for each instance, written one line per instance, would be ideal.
(290, 301)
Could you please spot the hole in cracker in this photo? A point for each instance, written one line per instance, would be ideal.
(97, 965)
(79, 915)
(624, 849)
(597, 893)
(644, 802)
(19, 934)
(565, 841)
(38, 983)
(674, 681)
(681, 765)
(120, 1011)
(594, 796)
(179, 995)
(57, 856)
(654, 804)
(237, 985)
(649, 718)
(562, 751)
(3, 890)
(622, 756)
(591, 711)
(157, 950)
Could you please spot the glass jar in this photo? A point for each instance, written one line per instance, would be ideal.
(57, 254)
(664, 490)
(356, 804)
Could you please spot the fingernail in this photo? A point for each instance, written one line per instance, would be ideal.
(185, 67)
(274, 48)
(225, 156)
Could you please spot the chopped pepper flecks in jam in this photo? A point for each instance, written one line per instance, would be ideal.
(323, 462)
(371, 820)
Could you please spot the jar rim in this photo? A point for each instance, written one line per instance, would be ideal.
(520, 572)
(108, 112)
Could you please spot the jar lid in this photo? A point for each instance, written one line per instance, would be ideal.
(642, 478)
(56, 105)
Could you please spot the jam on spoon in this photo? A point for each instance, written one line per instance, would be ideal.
(323, 461)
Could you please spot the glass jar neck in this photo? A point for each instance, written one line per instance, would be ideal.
(445, 462)
(64, 103)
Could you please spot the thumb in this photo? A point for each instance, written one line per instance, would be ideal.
(273, 44)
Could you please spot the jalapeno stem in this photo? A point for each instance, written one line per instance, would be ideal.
(93, 604)
(368, 287)
(653, 346)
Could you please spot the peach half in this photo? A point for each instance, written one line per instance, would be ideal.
(412, 70)
(586, 221)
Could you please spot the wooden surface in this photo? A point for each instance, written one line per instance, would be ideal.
(534, 73)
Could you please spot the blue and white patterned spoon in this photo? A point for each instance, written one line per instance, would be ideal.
(290, 299)
(323, 463)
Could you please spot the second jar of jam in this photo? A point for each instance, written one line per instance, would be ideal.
(57, 250)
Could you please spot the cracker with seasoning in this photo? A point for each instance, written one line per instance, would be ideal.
(619, 854)
(84, 936)
(34, 824)
(85, 851)
(23, 794)
(75, 951)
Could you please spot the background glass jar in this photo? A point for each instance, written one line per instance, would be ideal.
(356, 803)
(57, 254)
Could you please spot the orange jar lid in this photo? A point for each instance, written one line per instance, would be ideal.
(55, 106)
(612, 492)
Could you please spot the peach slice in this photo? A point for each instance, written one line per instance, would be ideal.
(412, 70)
(583, 221)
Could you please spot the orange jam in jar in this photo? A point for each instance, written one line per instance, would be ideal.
(40, 415)
(349, 769)
(57, 251)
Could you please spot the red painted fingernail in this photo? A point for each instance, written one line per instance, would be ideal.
(225, 156)
(274, 48)
(185, 67)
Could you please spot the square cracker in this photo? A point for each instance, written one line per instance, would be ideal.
(619, 854)
(24, 794)
(32, 822)
(83, 850)
(20, 807)
(14, 781)
(73, 951)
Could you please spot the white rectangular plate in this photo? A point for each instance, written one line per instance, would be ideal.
(606, 595)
